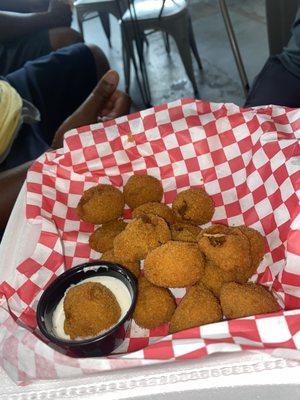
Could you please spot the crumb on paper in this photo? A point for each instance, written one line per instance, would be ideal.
(130, 137)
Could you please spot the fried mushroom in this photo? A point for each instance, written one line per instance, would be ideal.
(141, 189)
(141, 236)
(242, 300)
(159, 209)
(155, 305)
(214, 277)
(90, 308)
(132, 266)
(175, 264)
(257, 247)
(194, 206)
(228, 248)
(184, 232)
(103, 238)
(101, 204)
(198, 307)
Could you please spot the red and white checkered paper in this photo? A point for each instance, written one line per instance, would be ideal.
(248, 160)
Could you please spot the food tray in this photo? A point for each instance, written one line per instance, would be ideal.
(248, 374)
(247, 161)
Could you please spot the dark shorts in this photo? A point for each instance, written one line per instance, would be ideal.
(15, 53)
(274, 85)
(56, 84)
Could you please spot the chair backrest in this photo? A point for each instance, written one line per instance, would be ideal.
(152, 9)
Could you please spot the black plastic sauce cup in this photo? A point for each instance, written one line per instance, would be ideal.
(102, 344)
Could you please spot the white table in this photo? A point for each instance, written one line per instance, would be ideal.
(243, 375)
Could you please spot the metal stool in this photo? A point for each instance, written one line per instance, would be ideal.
(102, 8)
(169, 16)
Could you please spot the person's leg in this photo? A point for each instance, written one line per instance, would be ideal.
(14, 54)
(56, 84)
(102, 64)
(59, 82)
(274, 85)
(63, 37)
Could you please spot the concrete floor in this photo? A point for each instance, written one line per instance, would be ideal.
(219, 81)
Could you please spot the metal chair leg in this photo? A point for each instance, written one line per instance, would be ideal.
(167, 42)
(193, 44)
(104, 18)
(145, 39)
(180, 35)
(127, 49)
(234, 46)
(80, 21)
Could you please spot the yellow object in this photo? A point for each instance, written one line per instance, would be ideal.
(10, 113)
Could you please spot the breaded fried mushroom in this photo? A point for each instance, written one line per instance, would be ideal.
(215, 229)
(101, 204)
(229, 249)
(141, 236)
(90, 308)
(141, 189)
(175, 264)
(103, 238)
(243, 300)
(214, 277)
(194, 206)
(159, 209)
(257, 247)
(198, 307)
(184, 232)
(155, 305)
(132, 266)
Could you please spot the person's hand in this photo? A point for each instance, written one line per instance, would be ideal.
(59, 13)
(111, 102)
(104, 103)
(116, 106)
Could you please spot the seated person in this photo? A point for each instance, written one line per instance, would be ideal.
(26, 35)
(63, 87)
(279, 80)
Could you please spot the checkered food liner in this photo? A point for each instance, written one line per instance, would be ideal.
(248, 160)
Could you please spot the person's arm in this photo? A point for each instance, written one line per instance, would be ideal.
(14, 25)
(24, 6)
(11, 182)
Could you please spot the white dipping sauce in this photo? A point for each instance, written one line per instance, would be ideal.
(115, 285)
